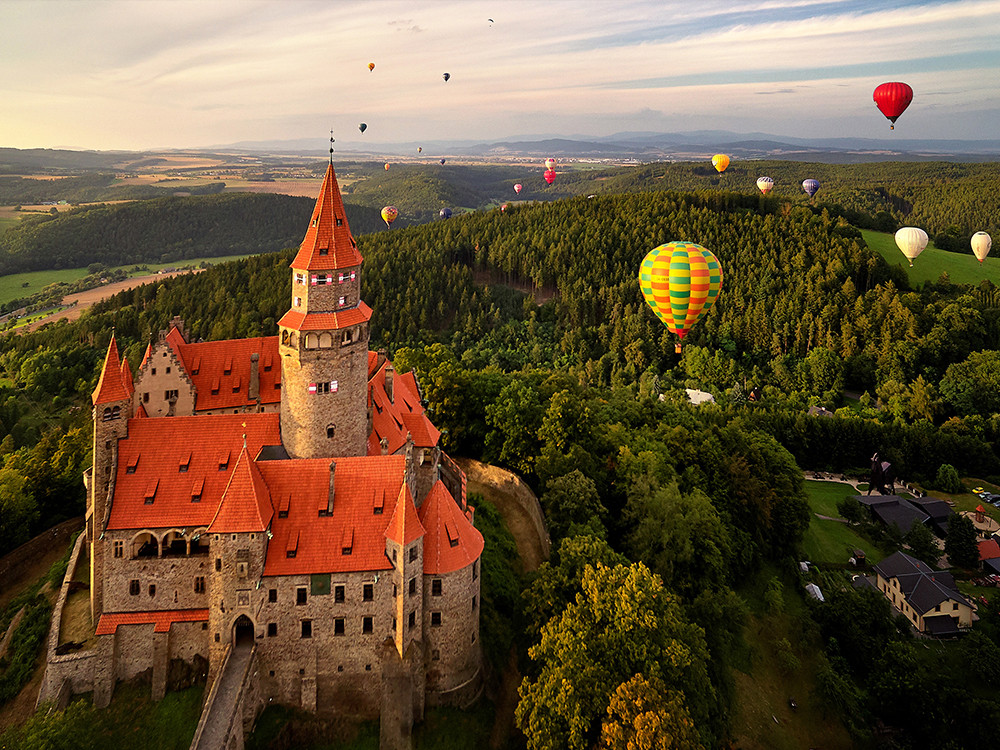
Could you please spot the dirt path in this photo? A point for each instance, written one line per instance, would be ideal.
(80, 301)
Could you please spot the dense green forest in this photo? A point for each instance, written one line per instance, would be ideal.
(87, 188)
(535, 351)
(163, 230)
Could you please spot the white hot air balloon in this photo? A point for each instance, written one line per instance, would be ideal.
(911, 242)
(981, 244)
(765, 184)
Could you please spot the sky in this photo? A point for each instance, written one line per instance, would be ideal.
(146, 74)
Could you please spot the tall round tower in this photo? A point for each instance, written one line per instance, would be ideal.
(323, 339)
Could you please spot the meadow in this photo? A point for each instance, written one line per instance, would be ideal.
(932, 262)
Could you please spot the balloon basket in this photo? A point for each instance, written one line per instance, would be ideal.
(677, 348)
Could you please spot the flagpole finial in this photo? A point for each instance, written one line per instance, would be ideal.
(331, 146)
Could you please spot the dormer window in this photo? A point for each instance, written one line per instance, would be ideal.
(223, 460)
(340, 222)
(324, 251)
(228, 369)
(185, 463)
(196, 490)
(150, 494)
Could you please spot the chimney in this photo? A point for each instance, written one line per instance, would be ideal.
(254, 391)
(410, 469)
(390, 371)
(329, 501)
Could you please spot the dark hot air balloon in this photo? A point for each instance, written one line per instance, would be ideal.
(363, 127)
(892, 99)
(445, 213)
(810, 186)
(442, 161)
(446, 76)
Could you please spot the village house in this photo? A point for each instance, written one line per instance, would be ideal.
(928, 598)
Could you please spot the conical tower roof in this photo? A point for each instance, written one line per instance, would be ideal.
(328, 243)
(246, 503)
(110, 386)
(404, 526)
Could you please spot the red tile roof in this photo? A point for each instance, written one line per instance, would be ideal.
(404, 414)
(452, 542)
(126, 373)
(372, 363)
(329, 231)
(326, 321)
(989, 549)
(246, 503)
(404, 526)
(302, 486)
(175, 338)
(157, 449)
(161, 621)
(110, 386)
(206, 363)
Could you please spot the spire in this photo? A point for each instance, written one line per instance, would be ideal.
(246, 503)
(328, 243)
(404, 526)
(127, 380)
(452, 542)
(110, 387)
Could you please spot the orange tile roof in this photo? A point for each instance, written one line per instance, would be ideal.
(404, 526)
(246, 503)
(989, 549)
(404, 414)
(140, 413)
(302, 486)
(452, 542)
(110, 386)
(146, 354)
(328, 231)
(372, 363)
(326, 321)
(126, 373)
(157, 449)
(161, 621)
(175, 338)
(206, 364)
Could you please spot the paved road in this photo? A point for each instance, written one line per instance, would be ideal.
(214, 735)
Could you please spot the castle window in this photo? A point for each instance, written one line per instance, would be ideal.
(300, 595)
(954, 607)
(331, 429)
(436, 587)
(367, 624)
(314, 222)
(347, 337)
(272, 630)
(340, 222)
(300, 278)
(324, 251)
(153, 370)
(339, 593)
(170, 395)
(394, 558)
(133, 587)
(413, 586)
(368, 592)
(435, 619)
(145, 397)
(218, 564)
(168, 371)
(435, 655)
(298, 303)
(413, 619)
(152, 589)
(107, 444)
(307, 629)
(338, 626)
(321, 279)
(272, 595)
(413, 553)
(116, 412)
(473, 604)
(199, 584)
(119, 548)
(284, 337)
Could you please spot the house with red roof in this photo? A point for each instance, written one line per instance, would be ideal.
(284, 497)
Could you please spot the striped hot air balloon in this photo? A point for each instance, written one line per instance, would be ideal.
(389, 214)
(680, 281)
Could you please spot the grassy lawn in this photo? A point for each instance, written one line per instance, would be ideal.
(832, 541)
(824, 496)
(962, 269)
(6, 222)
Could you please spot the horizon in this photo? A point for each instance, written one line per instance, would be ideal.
(144, 76)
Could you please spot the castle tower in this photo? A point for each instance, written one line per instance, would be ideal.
(112, 401)
(324, 339)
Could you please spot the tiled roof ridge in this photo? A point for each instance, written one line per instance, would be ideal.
(325, 232)
(110, 386)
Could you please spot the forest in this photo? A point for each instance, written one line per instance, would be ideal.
(670, 524)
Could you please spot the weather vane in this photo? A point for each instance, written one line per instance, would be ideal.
(331, 146)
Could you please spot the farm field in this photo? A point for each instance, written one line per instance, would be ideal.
(961, 269)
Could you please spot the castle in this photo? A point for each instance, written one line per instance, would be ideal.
(282, 498)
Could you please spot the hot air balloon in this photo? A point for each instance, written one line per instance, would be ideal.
(720, 162)
(518, 187)
(419, 149)
(765, 185)
(981, 244)
(442, 161)
(892, 99)
(680, 281)
(550, 163)
(503, 208)
(810, 186)
(550, 176)
(371, 67)
(363, 127)
(389, 214)
(912, 242)
(446, 76)
(445, 213)
(387, 166)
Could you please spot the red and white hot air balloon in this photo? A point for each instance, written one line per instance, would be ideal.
(517, 187)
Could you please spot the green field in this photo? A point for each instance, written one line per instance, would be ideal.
(824, 496)
(962, 269)
(12, 286)
(832, 541)
(6, 222)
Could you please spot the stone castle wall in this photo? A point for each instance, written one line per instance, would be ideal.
(452, 650)
(163, 373)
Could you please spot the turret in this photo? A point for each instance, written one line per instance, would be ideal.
(324, 339)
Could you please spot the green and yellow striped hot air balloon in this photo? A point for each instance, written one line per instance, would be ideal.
(680, 281)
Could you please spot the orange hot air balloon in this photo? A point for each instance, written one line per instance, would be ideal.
(389, 214)
(720, 162)
(387, 166)
(680, 281)
(371, 67)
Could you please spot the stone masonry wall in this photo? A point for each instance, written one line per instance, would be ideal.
(452, 655)
(161, 373)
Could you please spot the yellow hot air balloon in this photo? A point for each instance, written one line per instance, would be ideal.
(720, 162)
(389, 214)
(981, 244)
(371, 67)
(680, 281)
(911, 241)
(550, 163)
(387, 166)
